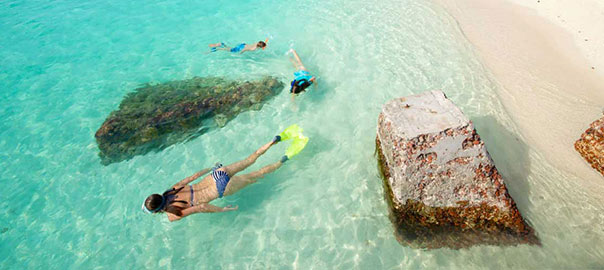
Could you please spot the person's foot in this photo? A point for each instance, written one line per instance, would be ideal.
(276, 139)
(284, 159)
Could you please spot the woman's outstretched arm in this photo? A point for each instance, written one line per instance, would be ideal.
(191, 178)
(202, 208)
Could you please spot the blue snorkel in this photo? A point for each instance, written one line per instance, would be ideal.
(161, 206)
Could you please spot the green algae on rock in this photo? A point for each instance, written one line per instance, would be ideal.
(442, 187)
(156, 116)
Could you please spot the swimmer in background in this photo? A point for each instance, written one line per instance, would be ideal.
(302, 78)
(239, 48)
(182, 199)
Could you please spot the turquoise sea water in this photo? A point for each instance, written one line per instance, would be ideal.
(65, 65)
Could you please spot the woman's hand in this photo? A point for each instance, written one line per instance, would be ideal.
(202, 208)
(229, 208)
(173, 217)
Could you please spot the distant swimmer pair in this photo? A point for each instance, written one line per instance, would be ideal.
(182, 199)
(302, 78)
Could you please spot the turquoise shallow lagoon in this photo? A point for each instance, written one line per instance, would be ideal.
(67, 64)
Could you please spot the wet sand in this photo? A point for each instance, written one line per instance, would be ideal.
(551, 86)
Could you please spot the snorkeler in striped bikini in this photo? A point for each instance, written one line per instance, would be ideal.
(182, 199)
(242, 47)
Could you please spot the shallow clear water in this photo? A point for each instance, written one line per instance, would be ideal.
(67, 64)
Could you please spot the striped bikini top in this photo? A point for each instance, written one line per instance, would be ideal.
(170, 195)
(192, 194)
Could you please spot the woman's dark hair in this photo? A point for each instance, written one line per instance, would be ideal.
(154, 201)
(261, 44)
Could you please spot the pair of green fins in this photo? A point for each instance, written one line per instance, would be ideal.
(299, 141)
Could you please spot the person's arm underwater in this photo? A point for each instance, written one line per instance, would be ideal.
(314, 82)
(202, 208)
(191, 178)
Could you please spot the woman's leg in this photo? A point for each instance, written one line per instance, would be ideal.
(236, 167)
(238, 182)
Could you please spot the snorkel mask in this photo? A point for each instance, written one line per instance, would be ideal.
(161, 206)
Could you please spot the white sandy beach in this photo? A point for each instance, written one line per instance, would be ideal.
(548, 59)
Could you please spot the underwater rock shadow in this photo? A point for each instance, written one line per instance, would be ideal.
(154, 117)
(510, 155)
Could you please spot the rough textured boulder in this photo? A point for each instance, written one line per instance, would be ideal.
(441, 184)
(156, 116)
(591, 145)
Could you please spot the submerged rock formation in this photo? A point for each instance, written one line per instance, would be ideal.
(591, 145)
(156, 116)
(440, 182)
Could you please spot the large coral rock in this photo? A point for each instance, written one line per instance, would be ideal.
(441, 184)
(156, 116)
(591, 145)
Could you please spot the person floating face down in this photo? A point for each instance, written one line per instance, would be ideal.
(242, 47)
(183, 199)
(302, 78)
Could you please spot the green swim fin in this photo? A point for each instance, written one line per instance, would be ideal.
(299, 141)
(291, 132)
(297, 145)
